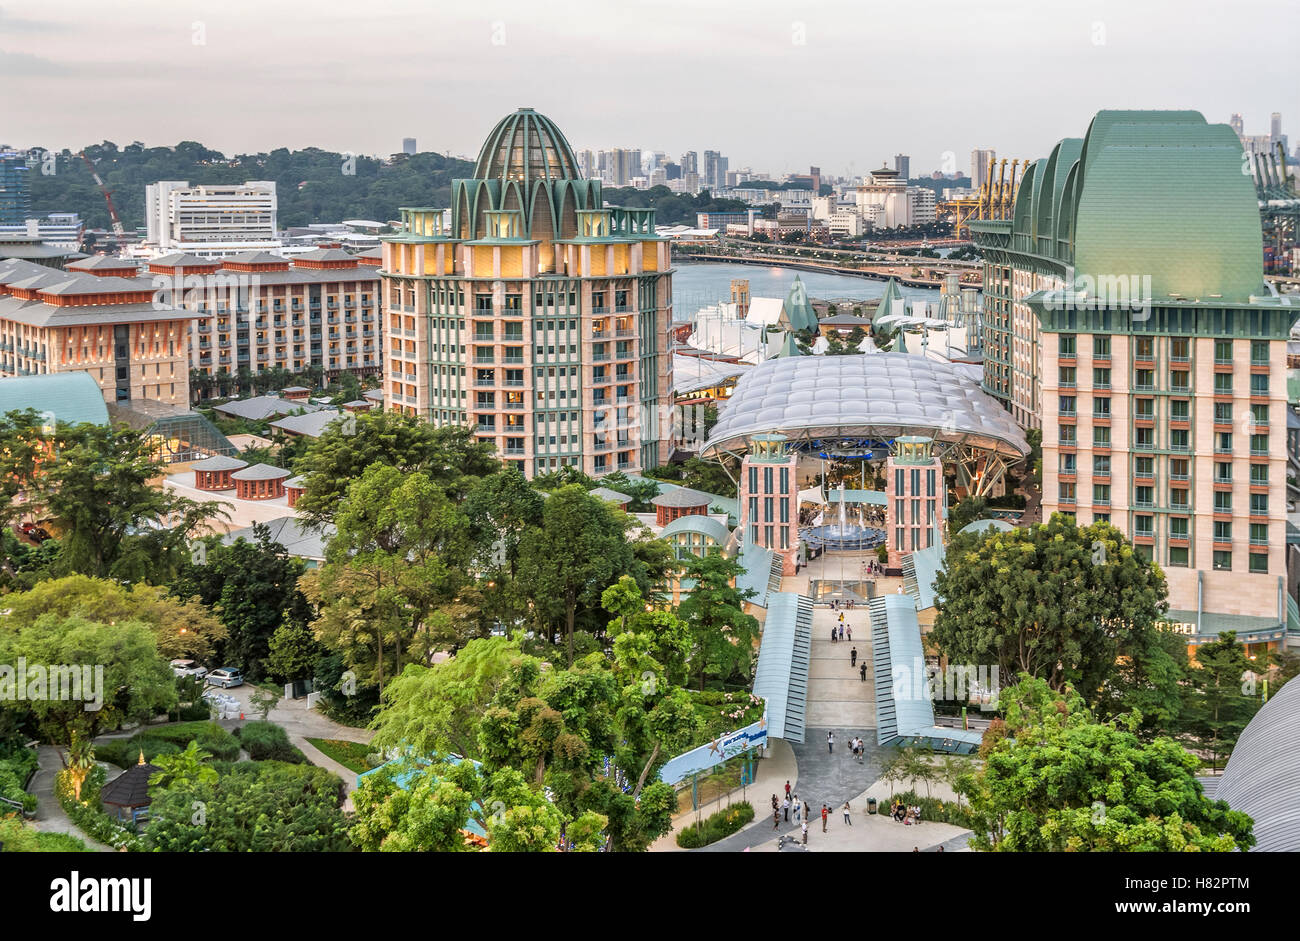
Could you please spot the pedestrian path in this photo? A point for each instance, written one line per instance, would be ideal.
(837, 694)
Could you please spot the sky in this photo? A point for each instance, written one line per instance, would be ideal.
(775, 86)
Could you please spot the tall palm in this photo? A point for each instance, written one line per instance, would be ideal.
(79, 760)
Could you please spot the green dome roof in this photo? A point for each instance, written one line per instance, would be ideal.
(526, 147)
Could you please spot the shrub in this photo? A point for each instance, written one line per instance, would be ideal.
(88, 814)
(18, 838)
(932, 809)
(266, 741)
(167, 739)
(15, 769)
(716, 826)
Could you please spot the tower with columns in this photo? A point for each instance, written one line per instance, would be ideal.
(769, 497)
(914, 476)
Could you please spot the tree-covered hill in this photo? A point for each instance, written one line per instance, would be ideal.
(313, 185)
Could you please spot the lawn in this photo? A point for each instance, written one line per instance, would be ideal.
(352, 755)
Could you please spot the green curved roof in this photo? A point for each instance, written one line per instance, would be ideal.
(698, 523)
(73, 397)
(1157, 194)
(526, 146)
(798, 308)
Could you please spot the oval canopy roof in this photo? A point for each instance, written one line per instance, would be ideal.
(881, 396)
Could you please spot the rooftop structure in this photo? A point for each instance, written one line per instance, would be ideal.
(1262, 777)
(72, 397)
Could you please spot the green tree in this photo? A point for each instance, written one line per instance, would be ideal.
(722, 634)
(1056, 600)
(500, 507)
(394, 585)
(253, 587)
(967, 511)
(450, 455)
(1063, 782)
(114, 521)
(580, 548)
(1220, 697)
(292, 653)
(136, 682)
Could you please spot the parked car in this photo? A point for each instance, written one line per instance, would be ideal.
(34, 532)
(188, 668)
(226, 677)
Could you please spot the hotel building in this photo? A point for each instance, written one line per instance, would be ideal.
(535, 314)
(1126, 316)
(210, 221)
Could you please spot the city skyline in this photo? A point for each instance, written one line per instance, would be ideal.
(781, 113)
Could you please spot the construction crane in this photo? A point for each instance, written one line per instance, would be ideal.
(118, 229)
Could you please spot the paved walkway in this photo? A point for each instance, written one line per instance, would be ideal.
(50, 817)
(301, 724)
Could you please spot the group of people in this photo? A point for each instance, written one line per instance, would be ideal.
(872, 568)
(856, 745)
(792, 805)
(837, 605)
(906, 814)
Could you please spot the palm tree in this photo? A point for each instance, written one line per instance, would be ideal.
(79, 761)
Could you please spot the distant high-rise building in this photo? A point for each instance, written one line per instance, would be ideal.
(1275, 127)
(15, 200)
(715, 170)
(588, 165)
(903, 164)
(690, 162)
(408, 145)
(1237, 124)
(979, 167)
(672, 171)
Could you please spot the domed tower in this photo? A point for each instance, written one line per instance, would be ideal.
(532, 313)
(526, 169)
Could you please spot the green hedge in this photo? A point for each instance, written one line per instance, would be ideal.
(88, 814)
(15, 768)
(168, 739)
(18, 838)
(716, 826)
(266, 741)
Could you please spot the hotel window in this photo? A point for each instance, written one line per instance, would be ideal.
(1068, 436)
(1259, 562)
(1068, 464)
(1101, 378)
(1259, 504)
(1180, 381)
(1101, 494)
(753, 480)
(1222, 560)
(1067, 491)
(1222, 472)
(1101, 347)
(1223, 352)
(1144, 348)
(1223, 413)
(1142, 526)
(1178, 556)
(1259, 414)
(1177, 527)
(1101, 407)
(1177, 498)
(1144, 496)
(1259, 352)
(1223, 501)
(1259, 534)
(1144, 439)
(1101, 436)
(1144, 409)
(1179, 349)
(767, 509)
(1142, 466)
(1223, 442)
(1223, 383)
(1067, 405)
(1067, 344)
(1259, 383)
(767, 481)
(1258, 475)
(1145, 380)
(1101, 465)
(1222, 531)
(1067, 377)
(929, 483)
(1179, 469)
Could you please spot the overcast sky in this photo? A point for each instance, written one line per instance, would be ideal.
(776, 86)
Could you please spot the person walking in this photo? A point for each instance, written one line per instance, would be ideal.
(847, 818)
(853, 657)
(804, 828)
(862, 671)
(830, 746)
(787, 790)
(850, 629)
(798, 806)
(825, 813)
(834, 633)
(775, 803)
(776, 819)
(785, 807)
